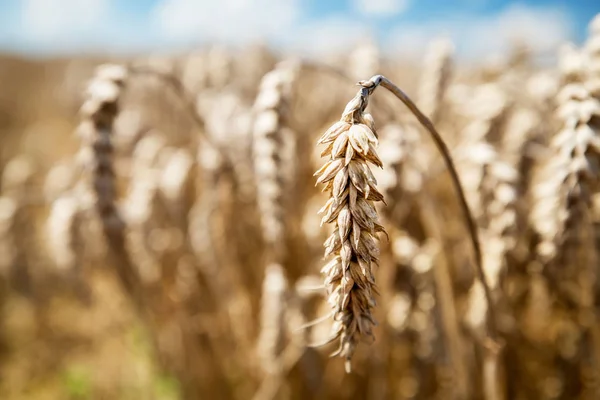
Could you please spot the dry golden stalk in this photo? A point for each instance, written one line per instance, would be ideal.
(270, 136)
(437, 71)
(492, 330)
(342, 206)
(352, 189)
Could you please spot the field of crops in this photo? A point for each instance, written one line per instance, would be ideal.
(164, 235)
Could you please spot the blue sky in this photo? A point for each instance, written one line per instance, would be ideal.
(479, 28)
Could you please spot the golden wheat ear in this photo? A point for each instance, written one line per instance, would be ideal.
(96, 130)
(270, 134)
(352, 191)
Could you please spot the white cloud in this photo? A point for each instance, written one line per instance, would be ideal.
(541, 28)
(52, 25)
(62, 20)
(381, 8)
(233, 21)
(330, 35)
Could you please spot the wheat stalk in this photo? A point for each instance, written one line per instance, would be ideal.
(343, 276)
(470, 221)
(271, 132)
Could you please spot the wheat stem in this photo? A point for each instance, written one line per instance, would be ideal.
(380, 80)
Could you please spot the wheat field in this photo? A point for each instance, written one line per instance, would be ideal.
(249, 225)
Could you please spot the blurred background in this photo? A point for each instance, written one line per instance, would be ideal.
(159, 236)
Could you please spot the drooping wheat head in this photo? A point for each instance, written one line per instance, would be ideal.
(352, 191)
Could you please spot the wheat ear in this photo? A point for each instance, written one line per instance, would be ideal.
(349, 278)
(349, 273)
(269, 137)
(98, 115)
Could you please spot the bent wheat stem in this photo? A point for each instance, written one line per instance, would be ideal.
(380, 80)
